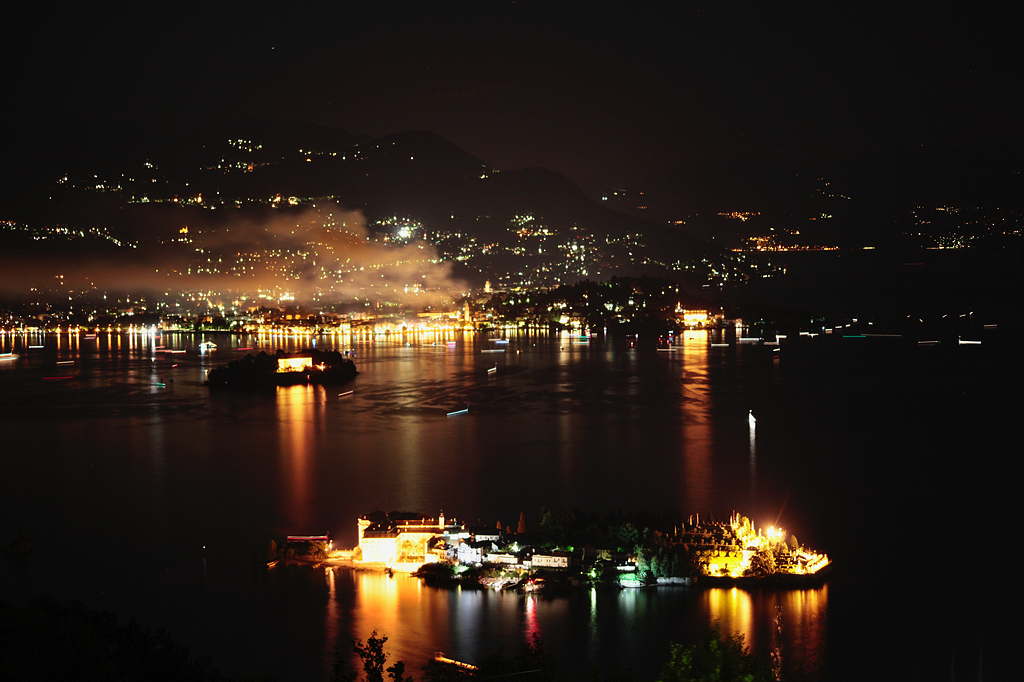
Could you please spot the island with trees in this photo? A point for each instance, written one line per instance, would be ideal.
(566, 550)
(262, 370)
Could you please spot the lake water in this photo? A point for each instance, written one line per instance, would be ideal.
(883, 454)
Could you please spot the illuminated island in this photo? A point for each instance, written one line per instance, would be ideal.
(575, 550)
(283, 369)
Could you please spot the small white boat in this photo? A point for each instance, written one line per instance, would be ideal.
(458, 412)
(493, 350)
(492, 370)
(441, 658)
(967, 342)
(207, 345)
(927, 343)
(719, 345)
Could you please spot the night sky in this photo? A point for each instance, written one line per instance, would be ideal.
(690, 105)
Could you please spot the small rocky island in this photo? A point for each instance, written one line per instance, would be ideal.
(567, 550)
(283, 369)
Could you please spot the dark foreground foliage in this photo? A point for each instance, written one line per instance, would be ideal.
(46, 640)
(532, 664)
(717, 658)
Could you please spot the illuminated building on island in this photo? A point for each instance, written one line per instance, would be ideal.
(402, 540)
(551, 560)
(691, 318)
(737, 548)
(294, 364)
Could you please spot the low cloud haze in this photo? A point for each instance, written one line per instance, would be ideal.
(324, 251)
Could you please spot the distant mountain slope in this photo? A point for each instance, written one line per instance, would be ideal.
(493, 224)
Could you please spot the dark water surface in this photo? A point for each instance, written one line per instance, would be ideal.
(875, 451)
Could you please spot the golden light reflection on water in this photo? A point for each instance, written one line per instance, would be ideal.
(803, 620)
(299, 413)
(419, 620)
(731, 610)
(789, 624)
(400, 607)
(696, 426)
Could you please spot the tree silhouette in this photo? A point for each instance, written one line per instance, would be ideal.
(762, 563)
(715, 659)
(374, 658)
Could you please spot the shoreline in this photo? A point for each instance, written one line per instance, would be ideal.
(570, 582)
